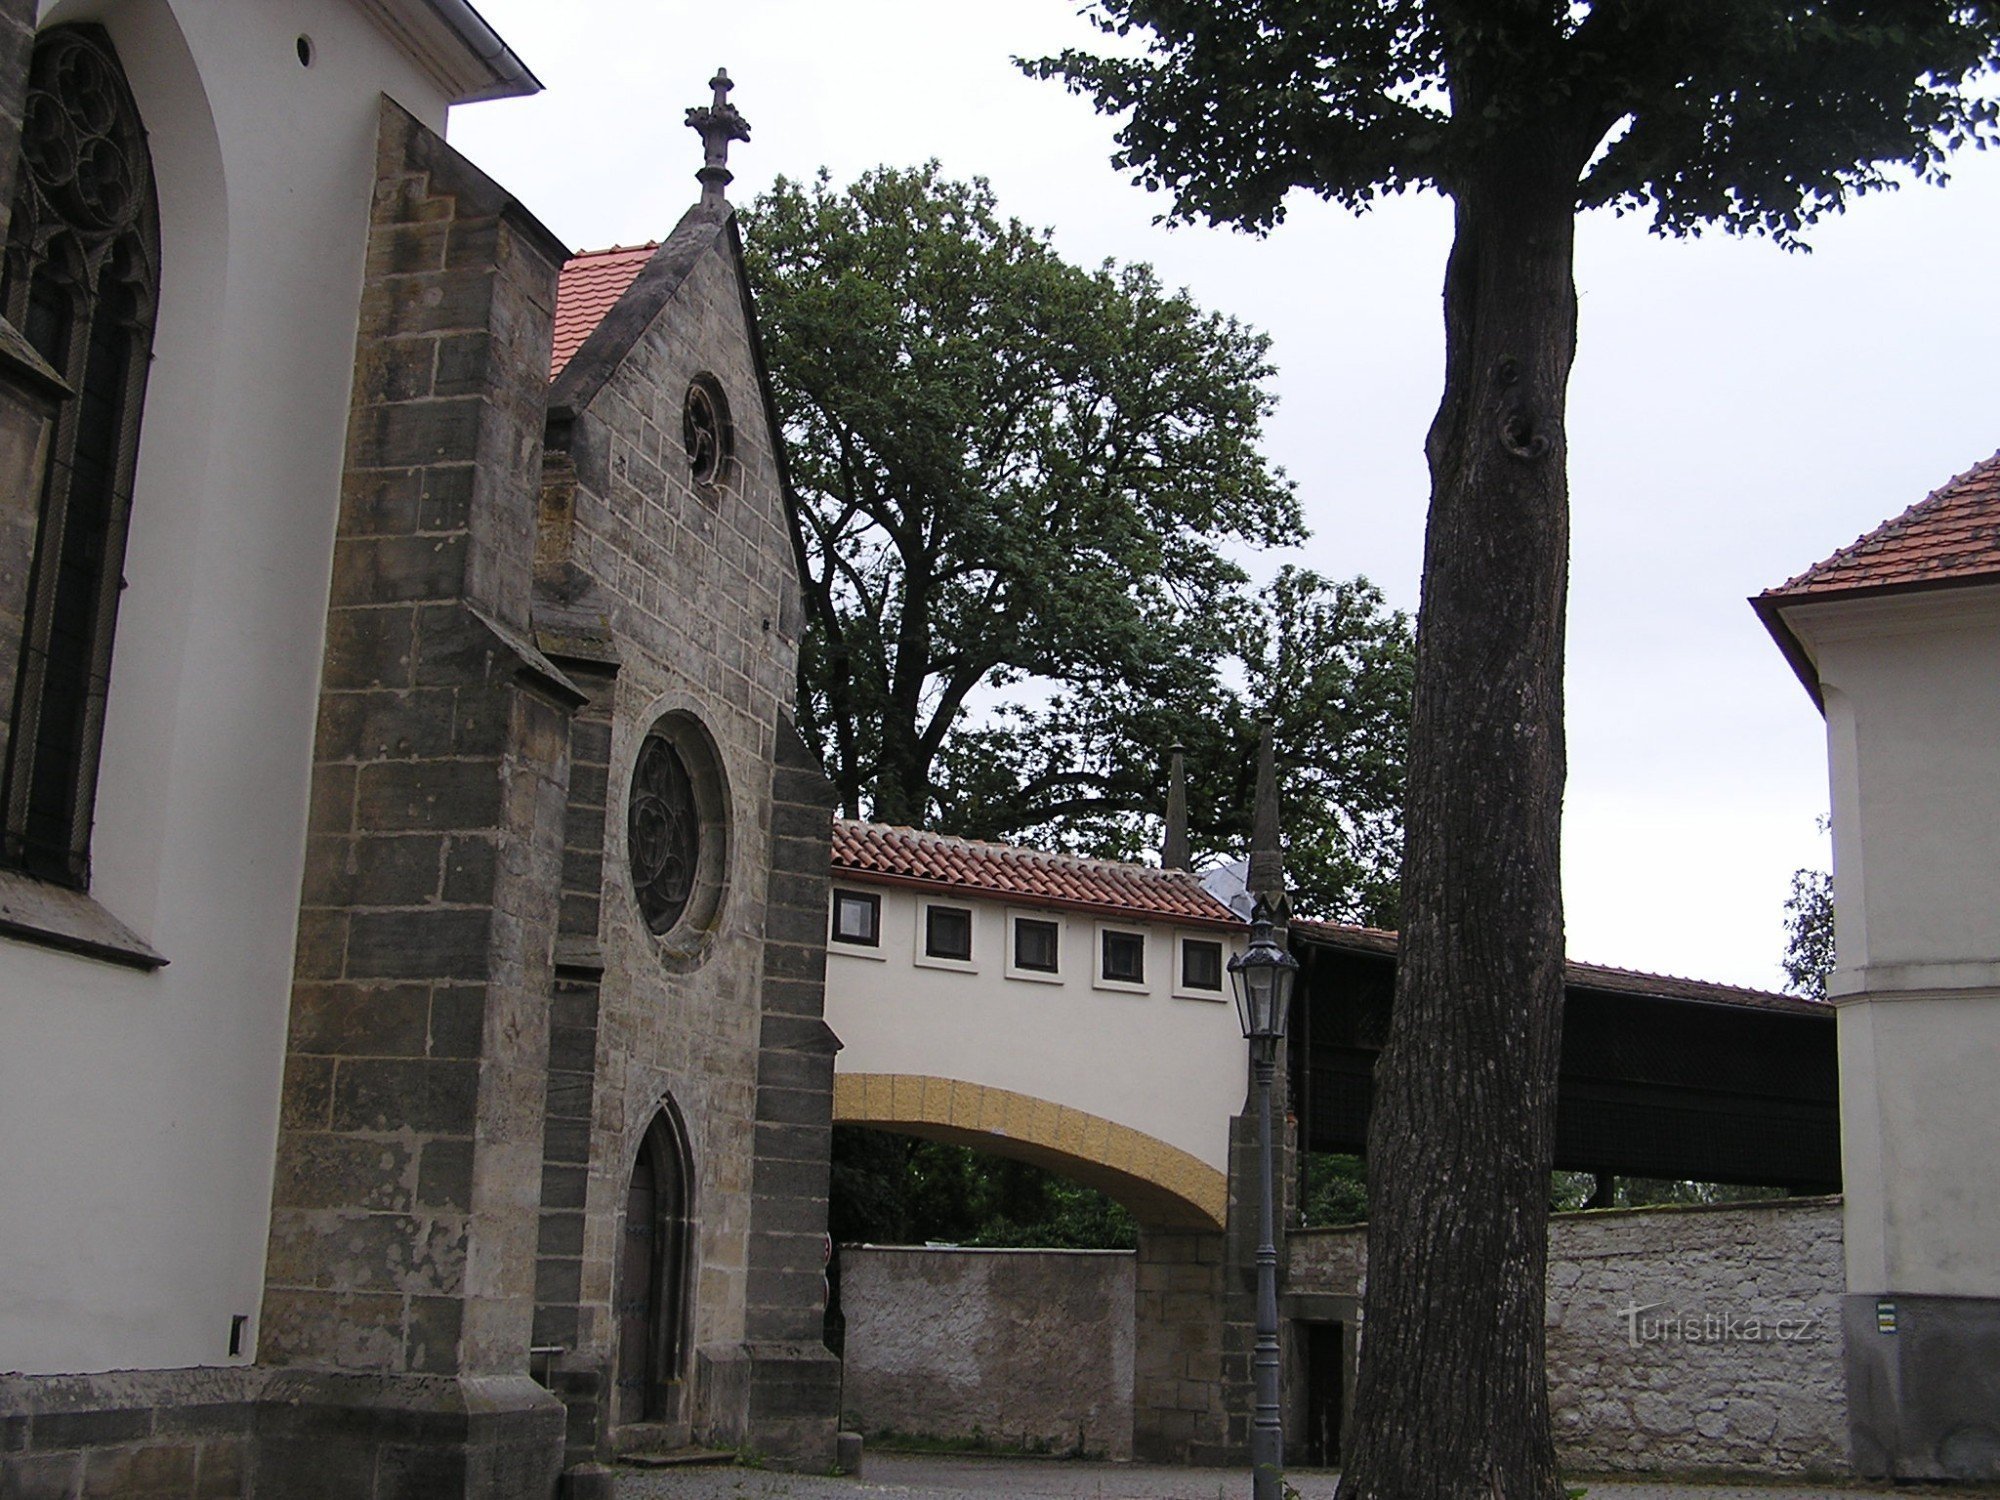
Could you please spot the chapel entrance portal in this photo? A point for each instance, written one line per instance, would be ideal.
(652, 1279)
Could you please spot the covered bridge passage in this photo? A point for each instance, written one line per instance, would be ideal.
(1661, 1077)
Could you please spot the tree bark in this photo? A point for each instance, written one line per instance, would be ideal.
(1452, 1397)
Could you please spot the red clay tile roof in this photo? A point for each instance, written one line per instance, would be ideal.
(876, 852)
(1950, 536)
(592, 280)
(1579, 976)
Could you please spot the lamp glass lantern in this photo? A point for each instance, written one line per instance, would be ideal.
(1262, 976)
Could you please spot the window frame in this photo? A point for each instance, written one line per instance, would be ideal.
(869, 947)
(1016, 970)
(924, 956)
(1100, 976)
(1184, 989)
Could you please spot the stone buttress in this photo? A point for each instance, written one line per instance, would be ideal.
(400, 1280)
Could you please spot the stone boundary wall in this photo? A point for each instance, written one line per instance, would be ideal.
(1030, 1347)
(1681, 1339)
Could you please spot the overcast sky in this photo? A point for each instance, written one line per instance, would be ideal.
(1736, 412)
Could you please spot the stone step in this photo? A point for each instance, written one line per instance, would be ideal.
(650, 1437)
(676, 1458)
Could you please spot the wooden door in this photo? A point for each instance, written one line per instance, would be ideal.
(652, 1280)
(638, 1279)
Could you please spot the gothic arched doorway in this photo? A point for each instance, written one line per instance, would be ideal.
(653, 1276)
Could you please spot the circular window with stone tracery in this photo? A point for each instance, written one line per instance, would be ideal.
(677, 837)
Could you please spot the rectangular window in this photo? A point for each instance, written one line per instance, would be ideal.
(1124, 956)
(948, 933)
(1035, 945)
(857, 918)
(1201, 964)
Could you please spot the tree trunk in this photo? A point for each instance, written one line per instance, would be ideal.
(1452, 1399)
(902, 775)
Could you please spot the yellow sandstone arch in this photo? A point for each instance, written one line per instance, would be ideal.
(1164, 1186)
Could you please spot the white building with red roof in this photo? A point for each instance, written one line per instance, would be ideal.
(1897, 638)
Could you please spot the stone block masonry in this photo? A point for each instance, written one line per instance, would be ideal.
(1027, 1347)
(169, 1433)
(793, 1398)
(400, 1277)
(570, 1106)
(1180, 1334)
(1679, 1339)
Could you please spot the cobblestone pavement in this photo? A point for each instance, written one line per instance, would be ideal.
(963, 1478)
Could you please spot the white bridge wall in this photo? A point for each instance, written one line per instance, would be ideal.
(1154, 1059)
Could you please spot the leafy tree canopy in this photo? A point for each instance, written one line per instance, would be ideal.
(1327, 663)
(1753, 115)
(1809, 933)
(1019, 487)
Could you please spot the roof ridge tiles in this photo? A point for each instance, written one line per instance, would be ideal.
(1022, 852)
(1661, 974)
(615, 250)
(915, 856)
(1928, 542)
(1386, 942)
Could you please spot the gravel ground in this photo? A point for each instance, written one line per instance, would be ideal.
(961, 1478)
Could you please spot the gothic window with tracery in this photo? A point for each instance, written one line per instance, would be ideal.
(81, 281)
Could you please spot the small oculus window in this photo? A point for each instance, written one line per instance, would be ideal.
(1037, 945)
(1124, 956)
(857, 918)
(948, 933)
(1201, 965)
(706, 432)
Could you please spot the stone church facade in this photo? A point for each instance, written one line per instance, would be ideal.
(527, 1153)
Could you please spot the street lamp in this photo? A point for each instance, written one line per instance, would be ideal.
(1262, 977)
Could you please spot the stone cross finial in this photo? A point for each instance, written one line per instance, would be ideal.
(719, 123)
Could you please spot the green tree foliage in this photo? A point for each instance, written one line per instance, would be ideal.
(897, 1190)
(1008, 468)
(1809, 933)
(1335, 1190)
(1328, 663)
(1757, 116)
(1571, 1191)
(1018, 483)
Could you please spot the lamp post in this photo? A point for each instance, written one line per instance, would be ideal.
(1262, 977)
